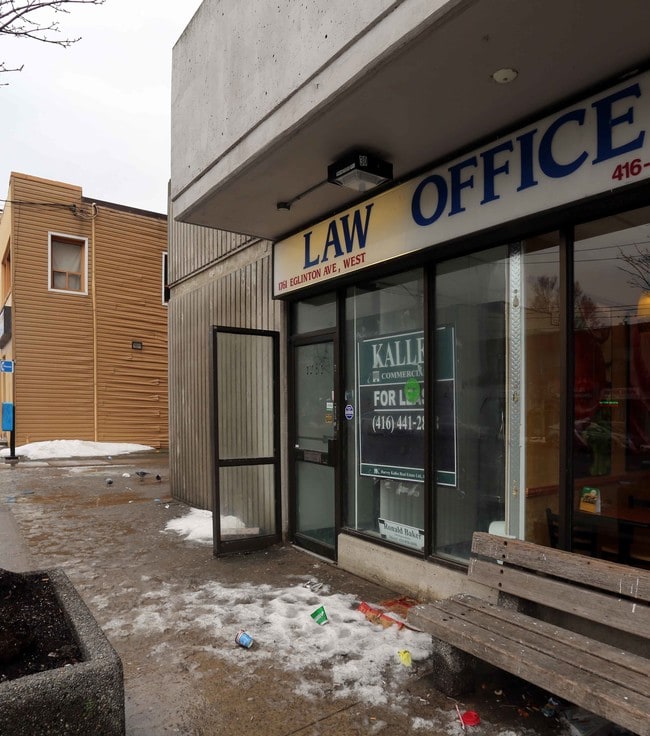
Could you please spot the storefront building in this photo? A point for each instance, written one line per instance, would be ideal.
(464, 348)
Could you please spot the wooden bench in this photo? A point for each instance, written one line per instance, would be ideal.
(545, 597)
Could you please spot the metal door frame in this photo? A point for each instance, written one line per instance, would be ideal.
(221, 547)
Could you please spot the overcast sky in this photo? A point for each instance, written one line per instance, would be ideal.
(96, 114)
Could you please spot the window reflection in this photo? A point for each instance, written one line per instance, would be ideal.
(314, 314)
(542, 350)
(611, 440)
(384, 399)
(471, 305)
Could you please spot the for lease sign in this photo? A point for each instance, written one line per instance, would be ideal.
(391, 406)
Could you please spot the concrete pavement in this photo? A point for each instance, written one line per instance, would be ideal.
(179, 677)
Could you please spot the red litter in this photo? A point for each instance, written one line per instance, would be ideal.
(386, 613)
(471, 718)
(399, 606)
(377, 615)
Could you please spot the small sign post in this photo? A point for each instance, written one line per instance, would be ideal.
(8, 425)
(9, 414)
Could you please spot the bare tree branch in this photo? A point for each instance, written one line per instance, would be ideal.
(3, 68)
(637, 267)
(18, 19)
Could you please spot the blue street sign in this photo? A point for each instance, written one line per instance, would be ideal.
(6, 366)
(7, 416)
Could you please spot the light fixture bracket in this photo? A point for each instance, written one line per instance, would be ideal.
(360, 171)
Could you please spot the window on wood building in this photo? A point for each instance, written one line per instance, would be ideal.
(67, 258)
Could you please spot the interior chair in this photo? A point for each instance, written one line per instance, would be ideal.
(583, 539)
(553, 528)
(634, 502)
(639, 550)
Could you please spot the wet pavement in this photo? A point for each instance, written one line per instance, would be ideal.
(184, 675)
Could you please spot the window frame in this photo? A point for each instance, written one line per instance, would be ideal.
(7, 286)
(166, 291)
(54, 237)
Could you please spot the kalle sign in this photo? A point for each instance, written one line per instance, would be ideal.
(594, 146)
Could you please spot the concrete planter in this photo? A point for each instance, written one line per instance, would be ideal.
(81, 699)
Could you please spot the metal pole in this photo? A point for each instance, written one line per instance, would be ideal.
(11, 458)
(12, 440)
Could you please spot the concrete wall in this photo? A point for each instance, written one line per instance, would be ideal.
(404, 573)
(244, 75)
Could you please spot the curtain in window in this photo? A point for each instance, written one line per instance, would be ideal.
(66, 257)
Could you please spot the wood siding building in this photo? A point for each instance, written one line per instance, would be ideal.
(85, 318)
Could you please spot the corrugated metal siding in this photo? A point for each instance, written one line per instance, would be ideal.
(190, 416)
(196, 248)
(232, 290)
(53, 332)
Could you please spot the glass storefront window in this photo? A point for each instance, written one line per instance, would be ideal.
(496, 390)
(539, 500)
(315, 314)
(611, 343)
(496, 400)
(470, 401)
(384, 409)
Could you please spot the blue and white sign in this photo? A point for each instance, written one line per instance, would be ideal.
(349, 412)
(6, 366)
(592, 147)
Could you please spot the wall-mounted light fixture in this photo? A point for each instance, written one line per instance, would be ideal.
(360, 171)
(137, 345)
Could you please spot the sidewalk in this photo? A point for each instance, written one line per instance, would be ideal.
(171, 611)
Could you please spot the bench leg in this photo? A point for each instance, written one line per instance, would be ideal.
(453, 670)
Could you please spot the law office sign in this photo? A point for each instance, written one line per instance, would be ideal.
(594, 146)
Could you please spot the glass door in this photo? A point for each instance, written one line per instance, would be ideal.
(314, 447)
(247, 434)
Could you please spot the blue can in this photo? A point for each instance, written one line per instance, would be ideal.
(244, 639)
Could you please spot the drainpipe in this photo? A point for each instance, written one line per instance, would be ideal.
(94, 307)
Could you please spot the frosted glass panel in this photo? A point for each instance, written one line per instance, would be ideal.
(244, 395)
(247, 501)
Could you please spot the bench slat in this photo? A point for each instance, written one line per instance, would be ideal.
(618, 613)
(620, 579)
(604, 697)
(617, 665)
